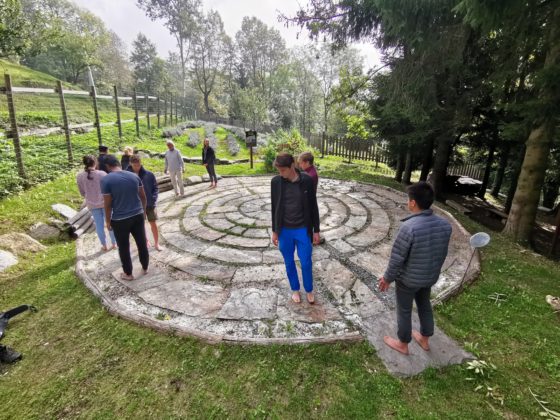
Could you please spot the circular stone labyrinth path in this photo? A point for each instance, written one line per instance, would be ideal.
(220, 278)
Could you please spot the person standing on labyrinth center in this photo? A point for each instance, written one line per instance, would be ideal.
(295, 221)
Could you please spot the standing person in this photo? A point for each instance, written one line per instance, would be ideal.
(417, 256)
(305, 162)
(125, 209)
(152, 190)
(176, 167)
(89, 184)
(295, 220)
(103, 150)
(208, 160)
(125, 159)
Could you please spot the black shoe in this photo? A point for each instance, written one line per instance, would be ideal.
(9, 355)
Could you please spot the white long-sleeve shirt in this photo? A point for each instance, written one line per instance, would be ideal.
(174, 160)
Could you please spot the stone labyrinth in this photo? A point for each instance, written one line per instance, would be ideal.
(220, 278)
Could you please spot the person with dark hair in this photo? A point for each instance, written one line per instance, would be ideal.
(305, 162)
(295, 221)
(103, 150)
(125, 210)
(89, 184)
(152, 190)
(418, 254)
(208, 160)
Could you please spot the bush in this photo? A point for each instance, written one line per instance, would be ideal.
(232, 144)
(194, 139)
(283, 141)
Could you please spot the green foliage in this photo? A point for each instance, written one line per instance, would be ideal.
(283, 141)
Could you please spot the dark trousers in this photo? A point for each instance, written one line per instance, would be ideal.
(212, 172)
(123, 229)
(405, 297)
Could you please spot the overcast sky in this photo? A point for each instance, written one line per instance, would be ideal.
(126, 20)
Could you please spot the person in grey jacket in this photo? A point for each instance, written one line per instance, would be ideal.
(175, 166)
(417, 256)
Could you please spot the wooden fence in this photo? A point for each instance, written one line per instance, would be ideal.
(139, 106)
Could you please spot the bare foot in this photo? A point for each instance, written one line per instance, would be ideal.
(421, 340)
(104, 248)
(311, 298)
(114, 246)
(157, 247)
(397, 345)
(296, 297)
(144, 271)
(128, 277)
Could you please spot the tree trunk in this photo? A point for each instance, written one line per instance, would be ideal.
(516, 170)
(550, 192)
(501, 170)
(526, 199)
(400, 166)
(427, 161)
(482, 192)
(407, 167)
(441, 161)
(206, 104)
(527, 195)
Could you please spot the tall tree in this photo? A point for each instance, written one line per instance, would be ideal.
(148, 67)
(209, 51)
(181, 18)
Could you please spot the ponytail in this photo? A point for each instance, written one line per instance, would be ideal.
(89, 162)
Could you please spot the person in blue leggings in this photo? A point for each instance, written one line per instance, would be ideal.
(295, 221)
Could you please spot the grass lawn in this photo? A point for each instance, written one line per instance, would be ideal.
(79, 361)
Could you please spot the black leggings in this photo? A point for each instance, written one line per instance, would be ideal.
(212, 172)
(123, 229)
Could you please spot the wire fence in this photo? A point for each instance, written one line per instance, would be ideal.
(41, 128)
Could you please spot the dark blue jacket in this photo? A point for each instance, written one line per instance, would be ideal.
(150, 185)
(419, 250)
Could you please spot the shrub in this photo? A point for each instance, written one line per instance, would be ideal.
(232, 144)
(194, 139)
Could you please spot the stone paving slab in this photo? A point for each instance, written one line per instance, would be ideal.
(443, 350)
(220, 278)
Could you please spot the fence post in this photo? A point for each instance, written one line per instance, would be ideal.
(148, 109)
(118, 109)
(93, 95)
(158, 112)
(65, 121)
(136, 113)
(323, 134)
(14, 134)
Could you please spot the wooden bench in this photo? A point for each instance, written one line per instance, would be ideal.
(458, 207)
(498, 214)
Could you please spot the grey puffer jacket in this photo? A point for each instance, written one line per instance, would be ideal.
(419, 250)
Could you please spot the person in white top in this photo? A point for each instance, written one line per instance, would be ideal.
(175, 166)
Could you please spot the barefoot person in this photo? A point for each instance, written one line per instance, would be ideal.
(151, 189)
(89, 184)
(175, 166)
(208, 160)
(417, 256)
(295, 221)
(125, 209)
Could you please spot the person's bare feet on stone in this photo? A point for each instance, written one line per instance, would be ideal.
(157, 247)
(127, 277)
(311, 298)
(397, 345)
(296, 297)
(422, 341)
(144, 271)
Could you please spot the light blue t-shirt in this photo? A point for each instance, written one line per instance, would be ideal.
(122, 186)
